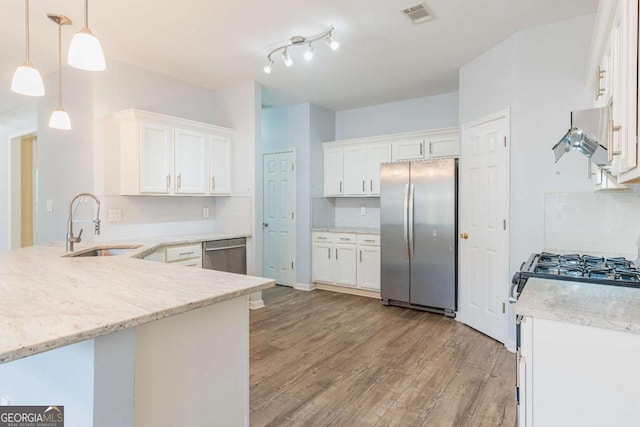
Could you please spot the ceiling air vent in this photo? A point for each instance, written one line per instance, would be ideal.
(418, 13)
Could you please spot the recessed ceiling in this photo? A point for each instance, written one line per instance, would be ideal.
(218, 44)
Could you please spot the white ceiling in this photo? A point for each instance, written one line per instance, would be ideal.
(218, 44)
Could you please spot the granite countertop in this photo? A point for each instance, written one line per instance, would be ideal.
(357, 230)
(49, 301)
(588, 304)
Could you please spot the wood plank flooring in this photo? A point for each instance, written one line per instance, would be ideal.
(326, 359)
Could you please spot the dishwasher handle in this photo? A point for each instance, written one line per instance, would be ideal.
(224, 248)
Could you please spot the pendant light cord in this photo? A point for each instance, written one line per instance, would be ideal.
(26, 19)
(86, 13)
(59, 65)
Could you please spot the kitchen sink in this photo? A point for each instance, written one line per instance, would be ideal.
(104, 251)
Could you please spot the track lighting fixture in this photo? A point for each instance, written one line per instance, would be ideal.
(300, 41)
(26, 79)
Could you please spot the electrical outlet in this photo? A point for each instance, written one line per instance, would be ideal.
(205, 212)
(115, 215)
(363, 210)
(49, 205)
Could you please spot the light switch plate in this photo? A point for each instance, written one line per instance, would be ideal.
(205, 212)
(49, 205)
(115, 215)
(363, 210)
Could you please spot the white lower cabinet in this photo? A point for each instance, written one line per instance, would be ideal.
(576, 375)
(189, 255)
(346, 259)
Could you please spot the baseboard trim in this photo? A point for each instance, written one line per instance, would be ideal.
(351, 291)
(256, 304)
(305, 286)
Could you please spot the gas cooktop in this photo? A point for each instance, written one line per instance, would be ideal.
(578, 268)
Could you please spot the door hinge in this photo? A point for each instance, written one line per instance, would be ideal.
(504, 308)
(292, 269)
(504, 140)
(504, 224)
(292, 216)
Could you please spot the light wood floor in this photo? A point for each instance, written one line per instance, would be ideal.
(326, 359)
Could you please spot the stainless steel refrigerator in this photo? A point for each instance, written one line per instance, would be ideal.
(418, 219)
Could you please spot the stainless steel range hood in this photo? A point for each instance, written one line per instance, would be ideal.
(588, 134)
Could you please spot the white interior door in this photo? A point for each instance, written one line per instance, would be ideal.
(279, 217)
(483, 227)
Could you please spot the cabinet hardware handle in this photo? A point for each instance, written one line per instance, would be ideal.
(186, 253)
(430, 147)
(341, 186)
(329, 253)
(336, 253)
(321, 238)
(345, 238)
(168, 181)
(213, 183)
(371, 185)
(363, 184)
(179, 180)
(360, 256)
(421, 147)
(613, 128)
(369, 240)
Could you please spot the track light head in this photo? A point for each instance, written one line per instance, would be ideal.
(268, 66)
(286, 58)
(334, 45)
(308, 54)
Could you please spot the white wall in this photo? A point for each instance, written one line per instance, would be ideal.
(539, 75)
(432, 112)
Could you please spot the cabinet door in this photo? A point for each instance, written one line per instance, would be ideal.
(191, 167)
(355, 170)
(333, 171)
(156, 159)
(345, 265)
(369, 267)
(322, 262)
(219, 165)
(442, 146)
(376, 155)
(408, 149)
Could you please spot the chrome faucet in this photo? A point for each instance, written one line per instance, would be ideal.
(71, 239)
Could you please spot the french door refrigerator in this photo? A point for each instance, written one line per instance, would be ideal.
(418, 231)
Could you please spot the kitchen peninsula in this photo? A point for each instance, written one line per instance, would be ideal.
(122, 341)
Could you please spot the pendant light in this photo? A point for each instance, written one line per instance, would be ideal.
(59, 118)
(85, 51)
(27, 80)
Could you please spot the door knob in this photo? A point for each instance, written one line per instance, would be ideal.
(464, 236)
(265, 224)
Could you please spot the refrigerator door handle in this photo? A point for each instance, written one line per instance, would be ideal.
(406, 222)
(411, 197)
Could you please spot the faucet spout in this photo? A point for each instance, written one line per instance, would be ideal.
(71, 239)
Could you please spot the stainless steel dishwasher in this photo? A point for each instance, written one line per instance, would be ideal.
(228, 255)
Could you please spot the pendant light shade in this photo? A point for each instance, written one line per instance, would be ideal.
(60, 119)
(85, 50)
(27, 80)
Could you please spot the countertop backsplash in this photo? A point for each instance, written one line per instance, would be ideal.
(600, 222)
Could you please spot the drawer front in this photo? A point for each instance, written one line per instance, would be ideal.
(196, 262)
(322, 236)
(345, 238)
(369, 239)
(179, 253)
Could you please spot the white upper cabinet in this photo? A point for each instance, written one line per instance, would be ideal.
(352, 168)
(164, 155)
(219, 165)
(191, 163)
(355, 170)
(333, 171)
(156, 159)
(613, 72)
